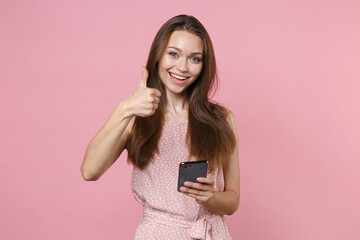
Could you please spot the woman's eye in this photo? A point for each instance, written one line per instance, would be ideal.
(173, 54)
(195, 59)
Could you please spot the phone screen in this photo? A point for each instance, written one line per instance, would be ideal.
(190, 171)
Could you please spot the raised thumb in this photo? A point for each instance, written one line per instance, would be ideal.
(144, 77)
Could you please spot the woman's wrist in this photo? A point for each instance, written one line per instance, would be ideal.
(222, 203)
(123, 111)
(210, 202)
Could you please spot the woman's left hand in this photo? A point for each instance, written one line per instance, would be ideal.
(202, 192)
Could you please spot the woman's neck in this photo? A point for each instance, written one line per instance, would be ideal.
(177, 108)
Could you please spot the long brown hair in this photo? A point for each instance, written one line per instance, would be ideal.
(209, 135)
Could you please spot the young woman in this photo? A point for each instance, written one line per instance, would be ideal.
(169, 119)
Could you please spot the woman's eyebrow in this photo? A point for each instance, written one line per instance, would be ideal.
(194, 53)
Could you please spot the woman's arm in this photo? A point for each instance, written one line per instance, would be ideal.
(107, 145)
(225, 202)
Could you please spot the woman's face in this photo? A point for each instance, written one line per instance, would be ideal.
(181, 62)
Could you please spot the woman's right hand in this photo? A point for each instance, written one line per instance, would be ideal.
(110, 141)
(144, 101)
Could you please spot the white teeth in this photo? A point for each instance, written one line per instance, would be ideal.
(178, 77)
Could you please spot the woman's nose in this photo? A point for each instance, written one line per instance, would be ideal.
(183, 65)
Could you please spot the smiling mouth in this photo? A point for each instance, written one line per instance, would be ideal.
(177, 77)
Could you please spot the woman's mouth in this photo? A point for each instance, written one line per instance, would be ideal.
(178, 79)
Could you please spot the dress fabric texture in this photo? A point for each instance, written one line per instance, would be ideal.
(168, 214)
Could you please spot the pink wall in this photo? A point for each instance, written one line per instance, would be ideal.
(289, 71)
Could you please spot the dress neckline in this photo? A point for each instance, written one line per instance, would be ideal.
(179, 123)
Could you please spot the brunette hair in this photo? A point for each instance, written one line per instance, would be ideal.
(209, 135)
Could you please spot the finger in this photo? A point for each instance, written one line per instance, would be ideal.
(199, 186)
(156, 100)
(205, 180)
(155, 106)
(191, 195)
(148, 112)
(201, 190)
(189, 190)
(194, 191)
(156, 92)
(199, 199)
(185, 191)
(144, 77)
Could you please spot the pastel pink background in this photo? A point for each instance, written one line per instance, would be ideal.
(289, 71)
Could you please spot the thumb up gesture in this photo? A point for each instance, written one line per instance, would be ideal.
(144, 101)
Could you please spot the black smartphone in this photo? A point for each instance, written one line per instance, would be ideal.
(190, 171)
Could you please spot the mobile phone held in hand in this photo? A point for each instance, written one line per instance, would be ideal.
(190, 171)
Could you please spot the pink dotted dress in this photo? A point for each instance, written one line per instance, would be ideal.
(168, 214)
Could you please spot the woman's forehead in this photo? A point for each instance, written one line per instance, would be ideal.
(186, 42)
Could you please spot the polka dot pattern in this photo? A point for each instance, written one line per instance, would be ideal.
(168, 214)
